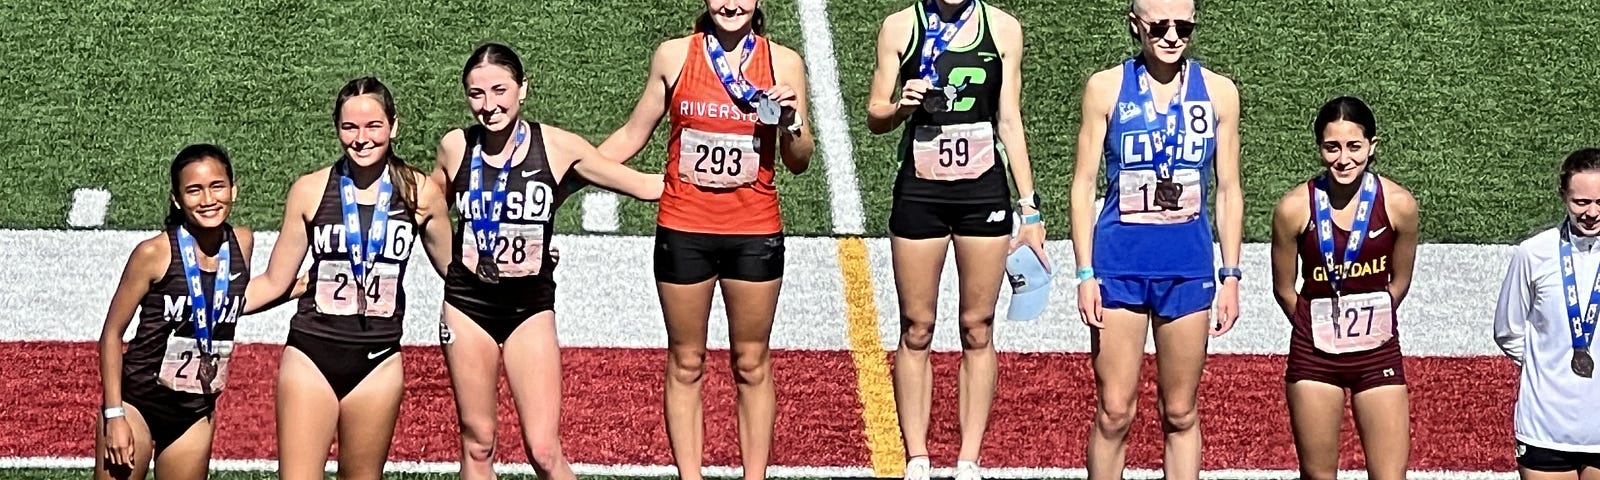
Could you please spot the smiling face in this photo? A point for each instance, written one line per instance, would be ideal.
(1346, 150)
(495, 95)
(204, 192)
(732, 15)
(1582, 197)
(365, 129)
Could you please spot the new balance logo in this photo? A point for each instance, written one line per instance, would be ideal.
(997, 216)
(1388, 372)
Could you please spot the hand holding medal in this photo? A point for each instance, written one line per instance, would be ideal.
(936, 40)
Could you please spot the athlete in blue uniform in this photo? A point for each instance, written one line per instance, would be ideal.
(1165, 125)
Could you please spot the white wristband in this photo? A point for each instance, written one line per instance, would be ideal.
(115, 412)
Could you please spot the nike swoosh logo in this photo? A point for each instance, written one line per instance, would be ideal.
(378, 353)
(235, 276)
(1374, 234)
(396, 213)
(530, 173)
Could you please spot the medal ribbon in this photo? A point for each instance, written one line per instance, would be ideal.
(1582, 325)
(733, 81)
(361, 259)
(937, 38)
(204, 313)
(1164, 126)
(487, 204)
(1358, 228)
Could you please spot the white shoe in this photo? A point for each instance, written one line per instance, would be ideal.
(917, 468)
(966, 470)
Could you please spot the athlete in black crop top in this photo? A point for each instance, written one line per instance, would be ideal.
(500, 294)
(360, 219)
(160, 394)
(958, 66)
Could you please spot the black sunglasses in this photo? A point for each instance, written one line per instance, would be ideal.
(1159, 29)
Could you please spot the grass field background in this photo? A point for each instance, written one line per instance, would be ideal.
(1477, 101)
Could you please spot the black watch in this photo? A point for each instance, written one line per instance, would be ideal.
(1033, 201)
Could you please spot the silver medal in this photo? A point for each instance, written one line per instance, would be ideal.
(767, 110)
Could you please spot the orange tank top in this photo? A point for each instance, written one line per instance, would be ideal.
(719, 171)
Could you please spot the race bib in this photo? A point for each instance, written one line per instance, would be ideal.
(718, 160)
(338, 292)
(953, 152)
(184, 368)
(518, 250)
(1364, 322)
(1144, 199)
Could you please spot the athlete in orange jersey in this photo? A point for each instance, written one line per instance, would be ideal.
(736, 102)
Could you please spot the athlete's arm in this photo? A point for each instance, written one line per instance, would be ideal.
(145, 266)
(435, 224)
(271, 287)
(1098, 95)
(1402, 208)
(1288, 220)
(626, 142)
(789, 89)
(884, 112)
(1516, 299)
(447, 159)
(1008, 37)
(1230, 195)
(569, 153)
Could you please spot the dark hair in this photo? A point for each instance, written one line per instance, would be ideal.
(1583, 160)
(758, 23)
(495, 54)
(190, 155)
(403, 176)
(1350, 109)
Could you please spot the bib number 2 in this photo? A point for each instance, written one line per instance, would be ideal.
(338, 291)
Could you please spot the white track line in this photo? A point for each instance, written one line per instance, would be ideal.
(774, 471)
(88, 207)
(607, 299)
(831, 126)
(600, 211)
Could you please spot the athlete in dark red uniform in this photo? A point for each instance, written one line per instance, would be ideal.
(1353, 237)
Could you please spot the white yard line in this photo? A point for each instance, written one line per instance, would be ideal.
(831, 126)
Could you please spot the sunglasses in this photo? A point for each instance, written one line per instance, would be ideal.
(1159, 29)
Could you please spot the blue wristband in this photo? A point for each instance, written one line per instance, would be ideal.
(1032, 218)
(1085, 273)
(1225, 272)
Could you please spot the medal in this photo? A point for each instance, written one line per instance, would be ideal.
(1581, 322)
(1582, 363)
(1168, 192)
(488, 271)
(1358, 229)
(934, 43)
(364, 254)
(767, 110)
(485, 219)
(208, 370)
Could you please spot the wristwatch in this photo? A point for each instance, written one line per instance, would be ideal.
(1225, 272)
(1030, 201)
(114, 412)
(794, 129)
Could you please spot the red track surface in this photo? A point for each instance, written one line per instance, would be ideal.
(1461, 410)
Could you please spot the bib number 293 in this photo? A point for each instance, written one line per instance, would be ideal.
(718, 160)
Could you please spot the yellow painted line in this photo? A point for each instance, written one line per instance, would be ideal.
(874, 385)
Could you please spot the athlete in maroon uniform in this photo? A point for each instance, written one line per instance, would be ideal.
(1353, 236)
